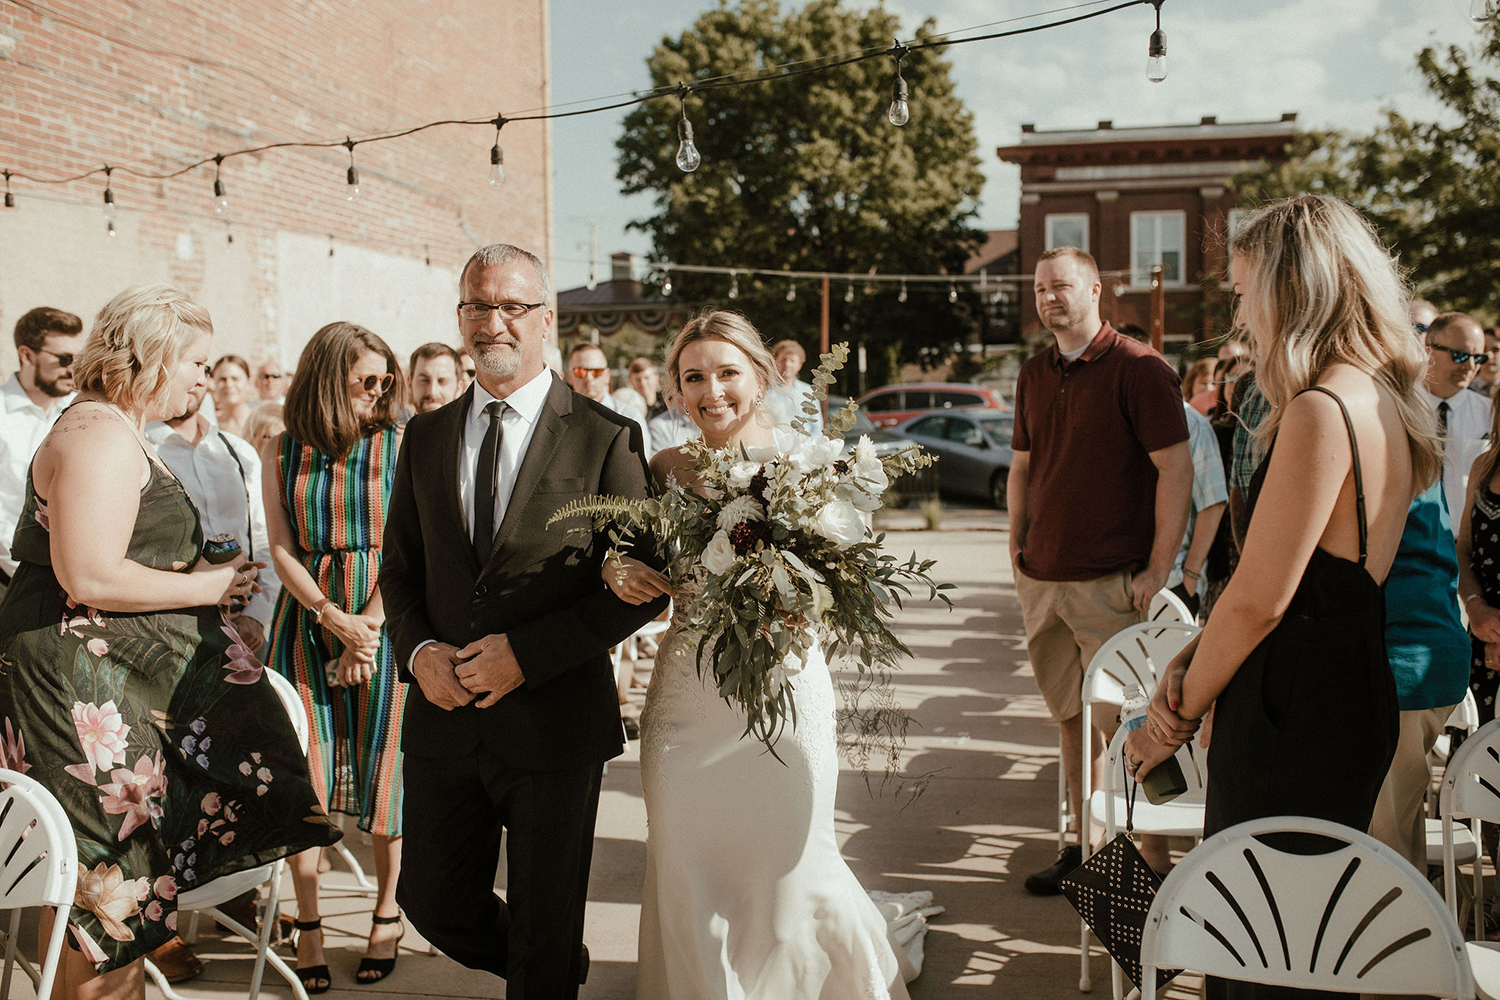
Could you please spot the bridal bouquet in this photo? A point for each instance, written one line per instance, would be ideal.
(780, 534)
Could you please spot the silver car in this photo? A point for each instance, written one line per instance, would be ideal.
(972, 448)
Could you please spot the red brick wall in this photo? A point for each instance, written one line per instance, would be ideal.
(157, 83)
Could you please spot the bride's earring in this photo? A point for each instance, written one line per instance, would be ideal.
(761, 398)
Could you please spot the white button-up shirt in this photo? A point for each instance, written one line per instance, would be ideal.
(517, 425)
(1469, 419)
(222, 476)
(23, 425)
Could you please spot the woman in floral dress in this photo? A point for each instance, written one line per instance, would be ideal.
(123, 689)
(325, 511)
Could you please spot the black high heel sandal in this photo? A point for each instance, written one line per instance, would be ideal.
(313, 974)
(382, 967)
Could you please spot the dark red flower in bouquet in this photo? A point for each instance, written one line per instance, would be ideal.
(746, 535)
(760, 486)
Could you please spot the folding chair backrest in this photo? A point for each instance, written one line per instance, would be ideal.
(1465, 714)
(1471, 780)
(38, 853)
(1358, 919)
(1134, 655)
(1168, 607)
(1194, 770)
(292, 703)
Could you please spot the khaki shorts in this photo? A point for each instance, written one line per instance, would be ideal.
(1066, 623)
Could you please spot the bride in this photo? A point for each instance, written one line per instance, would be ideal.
(747, 896)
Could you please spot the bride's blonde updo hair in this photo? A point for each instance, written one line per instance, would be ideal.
(1319, 289)
(137, 339)
(730, 327)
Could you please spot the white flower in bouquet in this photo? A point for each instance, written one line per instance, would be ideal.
(719, 557)
(741, 508)
(868, 468)
(740, 473)
(840, 523)
(811, 453)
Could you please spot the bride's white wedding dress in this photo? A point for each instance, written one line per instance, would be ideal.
(747, 896)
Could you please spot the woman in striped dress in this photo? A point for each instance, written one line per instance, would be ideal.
(325, 509)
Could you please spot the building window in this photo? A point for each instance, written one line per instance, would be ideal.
(1071, 230)
(1157, 238)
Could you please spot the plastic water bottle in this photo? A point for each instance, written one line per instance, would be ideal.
(1165, 782)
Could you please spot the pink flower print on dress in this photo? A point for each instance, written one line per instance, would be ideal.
(13, 750)
(41, 514)
(98, 647)
(108, 895)
(134, 794)
(91, 951)
(243, 667)
(165, 887)
(102, 732)
(211, 803)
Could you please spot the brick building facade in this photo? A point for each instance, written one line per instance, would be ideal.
(1134, 197)
(178, 80)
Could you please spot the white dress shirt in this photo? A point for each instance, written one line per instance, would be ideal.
(1469, 418)
(517, 425)
(222, 476)
(624, 409)
(670, 429)
(785, 403)
(23, 425)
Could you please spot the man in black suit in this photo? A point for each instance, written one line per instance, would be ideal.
(505, 626)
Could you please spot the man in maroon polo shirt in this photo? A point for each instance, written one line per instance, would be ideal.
(1099, 493)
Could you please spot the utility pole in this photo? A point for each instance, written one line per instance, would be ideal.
(1158, 309)
(592, 283)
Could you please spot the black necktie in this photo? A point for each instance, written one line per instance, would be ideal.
(1443, 423)
(485, 469)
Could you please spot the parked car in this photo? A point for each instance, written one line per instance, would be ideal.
(892, 404)
(972, 449)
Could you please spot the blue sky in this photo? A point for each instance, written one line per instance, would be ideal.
(1335, 62)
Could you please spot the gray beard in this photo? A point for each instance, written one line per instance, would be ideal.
(492, 362)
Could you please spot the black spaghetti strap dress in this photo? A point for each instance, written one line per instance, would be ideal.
(1308, 724)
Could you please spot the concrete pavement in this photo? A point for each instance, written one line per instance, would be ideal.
(985, 820)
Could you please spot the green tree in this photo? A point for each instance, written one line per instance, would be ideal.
(806, 173)
(1432, 188)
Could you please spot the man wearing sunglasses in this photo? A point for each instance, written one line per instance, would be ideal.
(47, 340)
(271, 382)
(1455, 348)
(587, 373)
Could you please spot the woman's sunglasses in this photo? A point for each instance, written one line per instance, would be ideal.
(371, 383)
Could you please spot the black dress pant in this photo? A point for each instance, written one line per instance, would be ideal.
(453, 815)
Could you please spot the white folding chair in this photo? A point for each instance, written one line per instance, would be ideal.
(1471, 790)
(1181, 817)
(1465, 717)
(38, 867)
(1357, 919)
(211, 896)
(1134, 655)
(1168, 607)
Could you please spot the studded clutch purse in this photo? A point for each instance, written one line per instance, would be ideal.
(1112, 891)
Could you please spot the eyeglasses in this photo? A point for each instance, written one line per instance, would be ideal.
(1461, 357)
(372, 382)
(510, 311)
(1419, 327)
(268, 377)
(63, 360)
(469, 372)
(589, 372)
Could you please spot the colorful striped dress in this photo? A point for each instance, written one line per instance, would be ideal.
(337, 509)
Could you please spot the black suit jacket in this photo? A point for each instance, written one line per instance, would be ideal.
(541, 586)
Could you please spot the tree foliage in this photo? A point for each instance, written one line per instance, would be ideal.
(1432, 188)
(806, 173)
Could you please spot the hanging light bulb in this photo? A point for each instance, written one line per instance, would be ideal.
(1156, 52)
(899, 113)
(109, 203)
(734, 285)
(687, 153)
(497, 155)
(228, 233)
(901, 295)
(353, 174)
(791, 291)
(666, 283)
(426, 254)
(952, 292)
(221, 200)
(849, 292)
(1482, 10)
(10, 199)
(330, 244)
